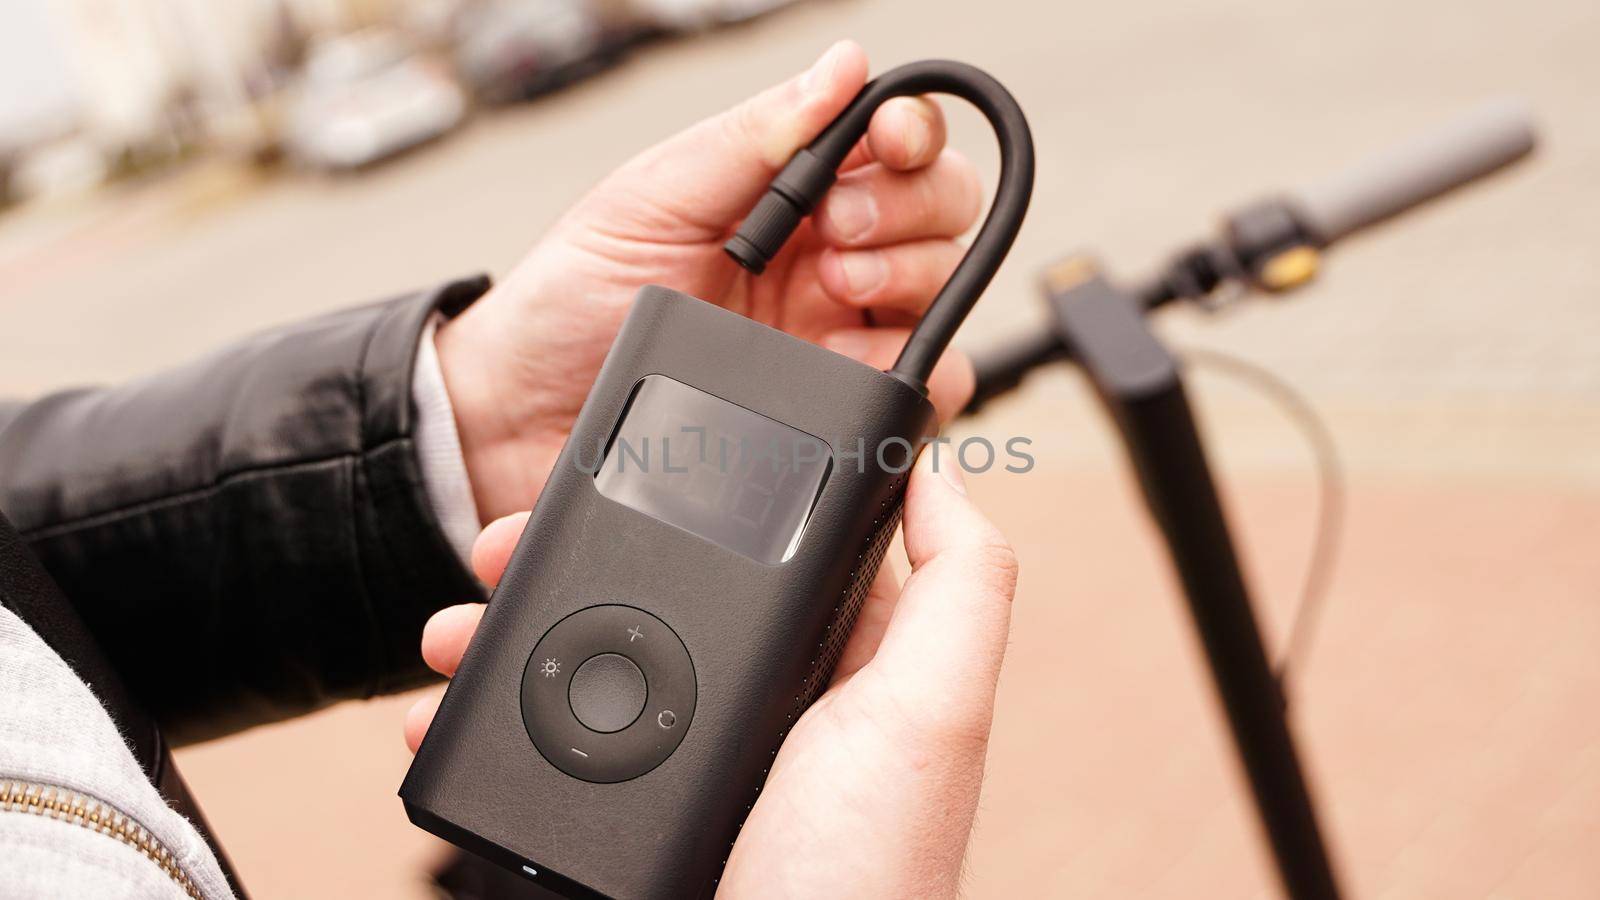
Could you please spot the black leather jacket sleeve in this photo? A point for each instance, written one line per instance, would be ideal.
(247, 536)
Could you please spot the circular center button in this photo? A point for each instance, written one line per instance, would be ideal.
(607, 692)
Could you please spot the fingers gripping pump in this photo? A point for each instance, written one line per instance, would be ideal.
(695, 562)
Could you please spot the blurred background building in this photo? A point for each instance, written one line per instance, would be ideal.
(100, 89)
(180, 172)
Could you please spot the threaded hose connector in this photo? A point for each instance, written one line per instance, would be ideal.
(764, 232)
(791, 197)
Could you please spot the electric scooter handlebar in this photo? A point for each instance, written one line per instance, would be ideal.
(1494, 134)
(1274, 244)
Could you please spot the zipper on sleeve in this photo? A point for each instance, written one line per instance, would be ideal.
(76, 808)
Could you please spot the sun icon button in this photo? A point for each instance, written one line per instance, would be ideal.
(549, 668)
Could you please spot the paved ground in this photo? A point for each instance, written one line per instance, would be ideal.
(1448, 706)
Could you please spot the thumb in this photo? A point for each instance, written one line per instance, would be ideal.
(942, 650)
(709, 176)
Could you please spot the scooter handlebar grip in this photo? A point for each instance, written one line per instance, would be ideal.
(1494, 134)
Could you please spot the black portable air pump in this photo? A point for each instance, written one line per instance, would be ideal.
(696, 561)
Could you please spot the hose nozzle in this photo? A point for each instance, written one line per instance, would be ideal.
(791, 197)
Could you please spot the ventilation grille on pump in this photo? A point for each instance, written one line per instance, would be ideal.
(844, 617)
(838, 633)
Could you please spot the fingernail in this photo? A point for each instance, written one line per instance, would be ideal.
(949, 465)
(820, 75)
(851, 212)
(917, 132)
(849, 343)
(864, 272)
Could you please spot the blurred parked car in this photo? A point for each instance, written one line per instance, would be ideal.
(694, 15)
(367, 96)
(509, 50)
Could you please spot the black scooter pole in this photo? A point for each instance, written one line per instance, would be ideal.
(1141, 386)
(1273, 245)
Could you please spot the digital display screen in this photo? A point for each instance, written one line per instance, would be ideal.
(714, 469)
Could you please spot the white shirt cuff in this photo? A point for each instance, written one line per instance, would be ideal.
(444, 470)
